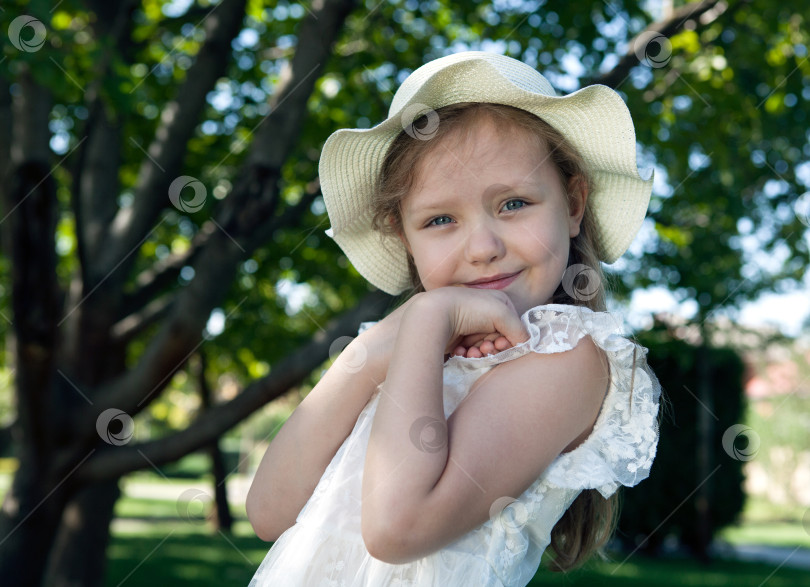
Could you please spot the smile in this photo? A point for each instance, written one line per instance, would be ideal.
(497, 283)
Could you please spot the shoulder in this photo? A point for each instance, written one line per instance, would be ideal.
(582, 367)
(545, 401)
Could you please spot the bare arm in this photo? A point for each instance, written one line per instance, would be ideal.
(429, 480)
(311, 436)
(307, 442)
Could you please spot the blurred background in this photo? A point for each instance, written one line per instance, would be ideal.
(168, 295)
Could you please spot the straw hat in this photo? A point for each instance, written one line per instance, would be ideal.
(594, 119)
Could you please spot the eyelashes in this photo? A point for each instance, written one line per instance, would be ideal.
(431, 222)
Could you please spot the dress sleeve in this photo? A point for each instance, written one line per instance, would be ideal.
(622, 445)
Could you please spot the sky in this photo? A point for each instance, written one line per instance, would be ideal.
(787, 312)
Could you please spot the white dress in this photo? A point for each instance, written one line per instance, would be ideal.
(324, 548)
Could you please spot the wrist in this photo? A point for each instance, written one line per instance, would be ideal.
(427, 321)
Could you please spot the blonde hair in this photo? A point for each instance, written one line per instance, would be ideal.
(591, 519)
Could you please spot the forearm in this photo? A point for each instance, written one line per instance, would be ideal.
(299, 454)
(407, 451)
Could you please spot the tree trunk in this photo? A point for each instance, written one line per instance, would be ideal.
(78, 557)
(28, 521)
(33, 506)
(222, 513)
(54, 521)
(223, 518)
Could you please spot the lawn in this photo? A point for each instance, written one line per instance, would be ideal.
(159, 539)
(177, 555)
(166, 542)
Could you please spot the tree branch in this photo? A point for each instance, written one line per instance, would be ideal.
(290, 217)
(291, 371)
(178, 120)
(315, 39)
(667, 28)
(155, 280)
(128, 328)
(163, 274)
(246, 211)
(95, 176)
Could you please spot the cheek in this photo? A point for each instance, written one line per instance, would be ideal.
(434, 265)
(425, 258)
(553, 244)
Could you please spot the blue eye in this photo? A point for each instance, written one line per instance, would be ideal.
(431, 223)
(515, 201)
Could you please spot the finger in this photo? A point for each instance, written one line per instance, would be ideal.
(474, 353)
(487, 347)
(502, 343)
(510, 325)
(472, 339)
(513, 329)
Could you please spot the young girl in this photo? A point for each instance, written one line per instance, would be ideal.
(498, 410)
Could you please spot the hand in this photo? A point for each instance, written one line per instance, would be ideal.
(481, 321)
(474, 347)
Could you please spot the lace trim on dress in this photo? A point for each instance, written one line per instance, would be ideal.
(622, 445)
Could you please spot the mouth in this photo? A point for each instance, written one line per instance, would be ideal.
(494, 282)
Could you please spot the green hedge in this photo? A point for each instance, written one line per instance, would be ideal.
(665, 503)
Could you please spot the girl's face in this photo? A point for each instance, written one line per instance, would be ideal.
(493, 206)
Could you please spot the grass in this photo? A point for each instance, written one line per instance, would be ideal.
(179, 554)
(764, 522)
(183, 555)
(152, 545)
(640, 572)
(772, 534)
(158, 541)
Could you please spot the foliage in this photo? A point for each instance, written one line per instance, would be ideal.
(726, 121)
(723, 119)
(664, 503)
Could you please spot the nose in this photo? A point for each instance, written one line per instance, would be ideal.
(484, 244)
